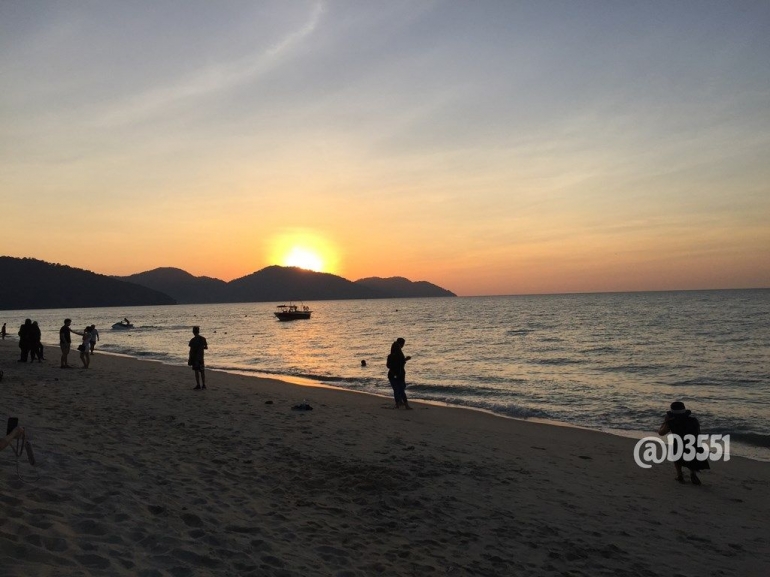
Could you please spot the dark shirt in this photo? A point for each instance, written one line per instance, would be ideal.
(397, 361)
(64, 334)
(197, 345)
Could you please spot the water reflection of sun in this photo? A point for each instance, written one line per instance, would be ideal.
(304, 250)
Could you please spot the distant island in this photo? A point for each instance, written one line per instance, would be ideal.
(29, 283)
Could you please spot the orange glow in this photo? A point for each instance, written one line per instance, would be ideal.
(304, 249)
(303, 258)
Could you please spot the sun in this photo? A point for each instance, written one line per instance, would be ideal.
(304, 258)
(306, 249)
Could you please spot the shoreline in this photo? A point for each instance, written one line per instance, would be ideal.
(138, 472)
(754, 453)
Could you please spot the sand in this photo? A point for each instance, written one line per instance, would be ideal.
(138, 474)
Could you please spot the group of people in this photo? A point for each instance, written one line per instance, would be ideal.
(32, 347)
(89, 335)
(29, 342)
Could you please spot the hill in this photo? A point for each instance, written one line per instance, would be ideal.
(27, 283)
(185, 288)
(400, 287)
(278, 283)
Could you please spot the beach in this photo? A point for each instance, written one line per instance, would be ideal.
(138, 474)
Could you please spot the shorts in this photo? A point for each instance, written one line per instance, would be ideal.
(198, 366)
(65, 347)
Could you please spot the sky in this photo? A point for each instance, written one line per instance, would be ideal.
(490, 147)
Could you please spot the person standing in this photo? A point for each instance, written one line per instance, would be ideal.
(2, 331)
(65, 340)
(94, 338)
(197, 345)
(397, 372)
(35, 347)
(25, 340)
(85, 347)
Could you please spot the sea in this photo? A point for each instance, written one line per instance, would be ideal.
(609, 362)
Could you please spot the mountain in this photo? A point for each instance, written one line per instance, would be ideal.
(185, 288)
(278, 283)
(29, 283)
(400, 287)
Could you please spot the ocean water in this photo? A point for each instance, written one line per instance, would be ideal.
(612, 362)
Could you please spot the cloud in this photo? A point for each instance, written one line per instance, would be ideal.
(212, 79)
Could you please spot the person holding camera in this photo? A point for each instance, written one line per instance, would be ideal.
(680, 422)
(397, 372)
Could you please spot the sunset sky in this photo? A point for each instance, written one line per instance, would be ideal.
(490, 147)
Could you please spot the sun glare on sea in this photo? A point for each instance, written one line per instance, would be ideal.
(304, 258)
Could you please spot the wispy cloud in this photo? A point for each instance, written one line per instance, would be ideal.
(216, 78)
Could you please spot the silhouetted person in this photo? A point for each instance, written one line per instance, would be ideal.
(25, 340)
(397, 372)
(680, 422)
(94, 338)
(2, 331)
(36, 347)
(65, 341)
(85, 347)
(197, 345)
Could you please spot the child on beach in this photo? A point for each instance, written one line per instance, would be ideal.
(85, 348)
(197, 345)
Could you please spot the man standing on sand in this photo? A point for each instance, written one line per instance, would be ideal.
(2, 331)
(397, 372)
(197, 345)
(25, 340)
(65, 339)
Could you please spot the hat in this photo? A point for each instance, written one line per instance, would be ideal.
(677, 407)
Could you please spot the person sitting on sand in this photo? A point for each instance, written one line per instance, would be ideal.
(197, 345)
(397, 372)
(680, 422)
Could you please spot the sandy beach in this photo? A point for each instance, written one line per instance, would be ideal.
(137, 474)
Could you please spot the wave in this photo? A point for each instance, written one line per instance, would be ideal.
(641, 369)
(557, 362)
(519, 332)
(754, 439)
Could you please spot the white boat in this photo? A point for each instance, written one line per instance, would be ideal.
(292, 312)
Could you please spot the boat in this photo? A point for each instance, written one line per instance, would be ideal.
(292, 312)
(123, 325)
